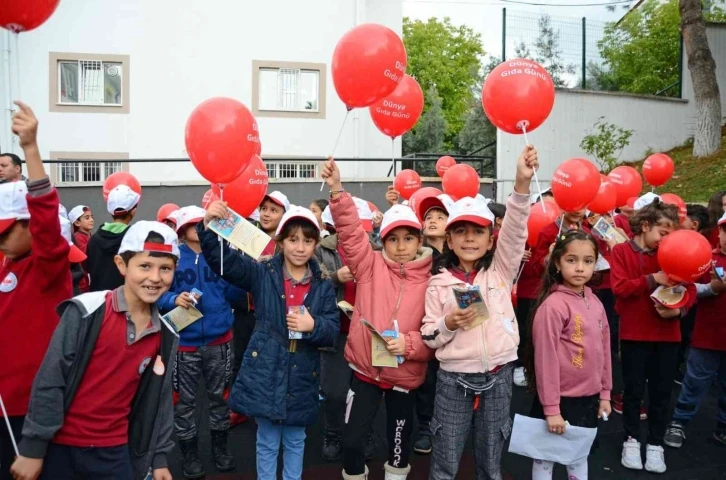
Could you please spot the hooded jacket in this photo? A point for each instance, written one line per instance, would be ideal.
(102, 248)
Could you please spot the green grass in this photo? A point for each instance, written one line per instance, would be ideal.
(694, 180)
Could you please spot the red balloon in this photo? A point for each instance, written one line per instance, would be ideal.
(24, 15)
(221, 137)
(421, 194)
(518, 94)
(541, 215)
(244, 194)
(685, 255)
(575, 184)
(407, 182)
(460, 181)
(606, 197)
(209, 197)
(165, 210)
(259, 148)
(397, 113)
(443, 164)
(628, 183)
(658, 169)
(673, 199)
(120, 178)
(368, 63)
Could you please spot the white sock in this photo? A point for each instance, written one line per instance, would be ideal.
(577, 470)
(542, 470)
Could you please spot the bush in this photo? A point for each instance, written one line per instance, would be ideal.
(605, 142)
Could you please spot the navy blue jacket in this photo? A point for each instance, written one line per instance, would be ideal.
(192, 271)
(274, 383)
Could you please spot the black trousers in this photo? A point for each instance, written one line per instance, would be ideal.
(687, 324)
(78, 463)
(607, 298)
(361, 409)
(244, 324)
(524, 307)
(426, 395)
(651, 363)
(7, 453)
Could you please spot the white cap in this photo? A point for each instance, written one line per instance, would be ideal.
(13, 204)
(472, 210)
(327, 217)
(255, 215)
(75, 255)
(722, 220)
(364, 213)
(405, 203)
(135, 238)
(297, 212)
(535, 197)
(62, 211)
(486, 200)
(77, 212)
(398, 216)
(186, 215)
(121, 198)
(279, 198)
(645, 200)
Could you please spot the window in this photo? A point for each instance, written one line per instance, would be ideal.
(89, 83)
(288, 89)
(287, 170)
(84, 173)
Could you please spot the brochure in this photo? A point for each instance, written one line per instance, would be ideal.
(380, 356)
(605, 231)
(241, 233)
(180, 318)
(670, 297)
(601, 265)
(470, 296)
(346, 308)
(295, 335)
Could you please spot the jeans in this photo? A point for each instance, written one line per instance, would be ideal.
(335, 375)
(652, 363)
(702, 367)
(80, 463)
(454, 417)
(269, 435)
(7, 453)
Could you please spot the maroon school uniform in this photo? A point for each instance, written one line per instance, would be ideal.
(98, 415)
(632, 272)
(709, 331)
(621, 221)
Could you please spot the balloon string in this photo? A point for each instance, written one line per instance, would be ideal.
(523, 126)
(221, 240)
(7, 423)
(562, 221)
(337, 140)
(393, 155)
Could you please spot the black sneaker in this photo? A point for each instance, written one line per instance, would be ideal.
(223, 460)
(423, 443)
(331, 449)
(675, 436)
(720, 436)
(192, 466)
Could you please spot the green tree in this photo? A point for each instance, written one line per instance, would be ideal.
(478, 131)
(605, 142)
(548, 52)
(448, 57)
(430, 132)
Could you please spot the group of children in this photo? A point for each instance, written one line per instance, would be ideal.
(273, 341)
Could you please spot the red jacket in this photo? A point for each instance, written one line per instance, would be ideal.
(709, 331)
(631, 271)
(32, 288)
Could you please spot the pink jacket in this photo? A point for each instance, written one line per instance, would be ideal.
(495, 341)
(385, 291)
(571, 339)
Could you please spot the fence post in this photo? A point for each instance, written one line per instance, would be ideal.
(584, 53)
(504, 34)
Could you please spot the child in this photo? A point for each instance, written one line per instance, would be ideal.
(649, 334)
(317, 207)
(76, 257)
(278, 383)
(568, 359)
(622, 219)
(273, 207)
(390, 287)
(716, 208)
(104, 244)
(35, 277)
(433, 213)
(499, 210)
(81, 218)
(205, 347)
(707, 358)
(101, 405)
(476, 362)
(697, 218)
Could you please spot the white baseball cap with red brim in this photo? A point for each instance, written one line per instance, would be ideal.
(75, 255)
(296, 211)
(121, 199)
(188, 215)
(135, 239)
(279, 198)
(645, 200)
(442, 202)
(13, 204)
(399, 216)
(473, 210)
(77, 212)
(364, 213)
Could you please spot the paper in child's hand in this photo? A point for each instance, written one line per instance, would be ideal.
(346, 308)
(241, 233)
(180, 317)
(380, 356)
(291, 335)
(470, 296)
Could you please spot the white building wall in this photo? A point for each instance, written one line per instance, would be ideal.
(185, 51)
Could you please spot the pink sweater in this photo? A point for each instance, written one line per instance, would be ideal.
(571, 339)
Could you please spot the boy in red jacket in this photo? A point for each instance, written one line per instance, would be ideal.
(36, 277)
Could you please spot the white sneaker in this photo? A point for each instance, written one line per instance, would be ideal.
(654, 459)
(631, 455)
(519, 379)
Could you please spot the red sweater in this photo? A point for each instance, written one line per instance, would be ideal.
(631, 271)
(621, 221)
(31, 289)
(709, 331)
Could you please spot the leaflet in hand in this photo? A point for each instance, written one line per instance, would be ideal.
(291, 335)
(605, 231)
(719, 271)
(670, 297)
(346, 308)
(241, 233)
(470, 296)
(601, 265)
(380, 356)
(180, 317)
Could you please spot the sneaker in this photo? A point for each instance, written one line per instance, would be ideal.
(331, 448)
(631, 455)
(655, 459)
(617, 403)
(674, 435)
(643, 413)
(519, 379)
(720, 436)
(423, 444)
(236, 419)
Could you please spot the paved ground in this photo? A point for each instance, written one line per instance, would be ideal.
(701, 458)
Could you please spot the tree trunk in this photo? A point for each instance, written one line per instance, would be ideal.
(703, 74)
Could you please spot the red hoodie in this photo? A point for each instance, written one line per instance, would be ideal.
(709, 331)
(31, 289)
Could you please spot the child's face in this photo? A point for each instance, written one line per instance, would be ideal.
(317, 212)
(297, 249)
(147, 277)
(572, 218)
(653, 235)
(270, 215)
(435, 223)
(170, 224)
(469, 241)
(401, 245)
(189, 234)
(577, 264)
(16, 241)
(85, 222)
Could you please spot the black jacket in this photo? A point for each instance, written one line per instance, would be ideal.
(151, 421)
(102, 248)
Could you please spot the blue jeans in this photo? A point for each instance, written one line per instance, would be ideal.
(702, 367)
(269, 436)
